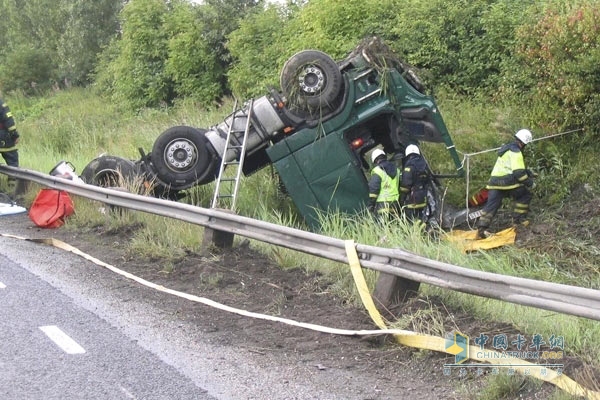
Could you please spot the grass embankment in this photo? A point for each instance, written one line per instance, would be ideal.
(77, 126)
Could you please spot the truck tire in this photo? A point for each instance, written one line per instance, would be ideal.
(109, 171)
(312, 83)
(183, 157)
(414, 81)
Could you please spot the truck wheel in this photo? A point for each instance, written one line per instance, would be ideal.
(109, 171)
(414, 81)
(182, 157)
(312, 82)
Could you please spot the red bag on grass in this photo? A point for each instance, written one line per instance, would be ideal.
(50, 208)
(479, 198)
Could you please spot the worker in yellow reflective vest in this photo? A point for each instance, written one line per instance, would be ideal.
(509, 178)
(383, 186)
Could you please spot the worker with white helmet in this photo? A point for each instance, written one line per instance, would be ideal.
(383, 186)
(413, 186)
(509, 178)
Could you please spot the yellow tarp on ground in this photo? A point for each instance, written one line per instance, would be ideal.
(467, 242)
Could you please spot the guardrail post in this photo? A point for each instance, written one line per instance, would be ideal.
(391, 290)
(21, 188)
(216, 238)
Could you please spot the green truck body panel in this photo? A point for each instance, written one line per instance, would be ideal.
(317, 165)
(323, 175)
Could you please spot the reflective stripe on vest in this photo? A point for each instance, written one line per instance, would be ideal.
(389, 186)
(503, 170)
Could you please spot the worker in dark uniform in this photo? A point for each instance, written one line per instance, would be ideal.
(413, 186)
(509, 178)
(383, 187)
(9, 138)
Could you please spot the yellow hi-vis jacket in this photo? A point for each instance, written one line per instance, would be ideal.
(509, 171)
(389, 186)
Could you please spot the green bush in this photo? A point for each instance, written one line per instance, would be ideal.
(267, 39)
(26, 68)
(257, 56)
(169, 50)
(137, 74)
(559, 65)
(192, 63)
(463, 44)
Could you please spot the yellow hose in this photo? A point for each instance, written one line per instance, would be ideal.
(438, 344)
(406, 338)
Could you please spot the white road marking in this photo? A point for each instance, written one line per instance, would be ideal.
(129, 395)
(62, 340)
(2, 285)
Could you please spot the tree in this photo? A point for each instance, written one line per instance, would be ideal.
(63, 37)
(220, 18)
(89, 27)
(137, 73)
(558, 64)
(192, 63)
(257, 56)
(26, 68)
(463, 44)
(169, 49)
(266, 39)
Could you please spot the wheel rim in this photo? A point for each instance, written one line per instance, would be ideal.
(312, 80)
(181, 155)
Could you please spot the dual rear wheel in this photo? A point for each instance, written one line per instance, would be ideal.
(182, 156)
(312, 83)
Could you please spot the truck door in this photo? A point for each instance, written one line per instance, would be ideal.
(323, 175)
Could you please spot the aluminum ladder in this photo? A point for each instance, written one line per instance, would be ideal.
(227, 187)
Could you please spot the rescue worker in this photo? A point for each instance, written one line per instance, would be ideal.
(509, 178)
(383, 186)
(9, 138)
(413, 186)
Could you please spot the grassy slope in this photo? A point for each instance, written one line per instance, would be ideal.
(78, 126)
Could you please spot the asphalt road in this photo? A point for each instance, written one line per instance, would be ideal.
(70, 329)
(51, 347)
(133, 349)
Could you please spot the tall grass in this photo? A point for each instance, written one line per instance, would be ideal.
(78, 125)
(580, 333)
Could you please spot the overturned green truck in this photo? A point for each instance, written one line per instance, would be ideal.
(317, 132)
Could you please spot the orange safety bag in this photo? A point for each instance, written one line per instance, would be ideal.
(479, 198)
(50, 208)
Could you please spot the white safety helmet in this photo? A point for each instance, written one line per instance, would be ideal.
(411, 149)
(376, 154)
(524, 135)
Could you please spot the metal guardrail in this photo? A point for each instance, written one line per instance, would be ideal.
(561, 298)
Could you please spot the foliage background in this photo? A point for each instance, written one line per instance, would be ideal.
(149, 53)
(108, 76)
(538, 58)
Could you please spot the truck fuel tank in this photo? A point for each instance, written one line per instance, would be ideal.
(263, 124)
